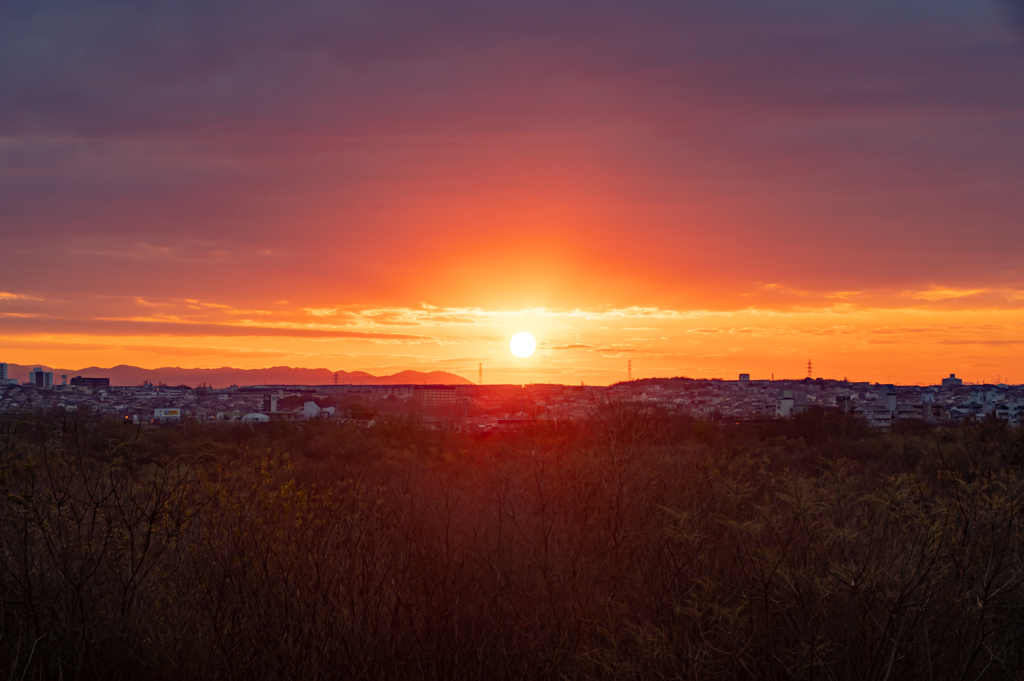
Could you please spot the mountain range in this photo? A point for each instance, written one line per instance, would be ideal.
(227, 376)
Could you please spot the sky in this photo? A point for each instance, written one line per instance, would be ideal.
(699, 188)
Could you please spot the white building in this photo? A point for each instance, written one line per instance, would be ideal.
(785, 409)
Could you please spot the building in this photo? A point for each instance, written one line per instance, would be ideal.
(952, 382)
(311, 410)
(39, 378)
(744, 379)
(434, 395)
(1011, 412)
(930, 410)
(173, 414)
(94, 383)
(887, 397)
(785, 408)
(885, 410)
(878, 415)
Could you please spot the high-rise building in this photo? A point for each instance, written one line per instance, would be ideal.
(3, 372)
(39, 378)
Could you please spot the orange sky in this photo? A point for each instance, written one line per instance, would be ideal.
(701, 191)
(911, 344)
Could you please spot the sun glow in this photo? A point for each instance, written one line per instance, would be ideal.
(522, 345)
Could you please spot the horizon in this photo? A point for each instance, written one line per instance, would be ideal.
(96, 372)
(691, 189)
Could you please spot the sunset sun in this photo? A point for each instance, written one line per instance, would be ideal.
(523, 345)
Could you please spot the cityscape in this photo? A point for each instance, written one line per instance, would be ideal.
(483, 407)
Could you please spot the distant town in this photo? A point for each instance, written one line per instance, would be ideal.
(488, 407)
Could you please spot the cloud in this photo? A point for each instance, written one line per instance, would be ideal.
(170, 168)
(137, 328)
(986, 342)
(937, 293)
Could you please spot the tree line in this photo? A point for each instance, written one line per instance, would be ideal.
(634, 545)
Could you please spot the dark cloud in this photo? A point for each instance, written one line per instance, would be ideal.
(195, 146)
(370, 67)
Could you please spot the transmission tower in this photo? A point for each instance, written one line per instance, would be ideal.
(480, 374)
(629, 370)
(335, 378)
(809, 368)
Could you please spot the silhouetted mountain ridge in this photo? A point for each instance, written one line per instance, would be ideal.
(223, 377)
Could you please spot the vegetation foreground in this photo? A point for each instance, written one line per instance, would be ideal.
(636, 545)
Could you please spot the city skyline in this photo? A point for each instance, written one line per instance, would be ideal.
(223, 377)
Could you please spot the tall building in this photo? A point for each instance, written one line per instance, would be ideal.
(4, 378)
(39, 378)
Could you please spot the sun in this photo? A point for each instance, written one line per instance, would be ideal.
(523, 345)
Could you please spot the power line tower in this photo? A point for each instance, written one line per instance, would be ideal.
(809, 368)
(335, 378)
(629, 370)
(480, 374)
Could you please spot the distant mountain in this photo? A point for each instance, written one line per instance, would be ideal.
(226, 376)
